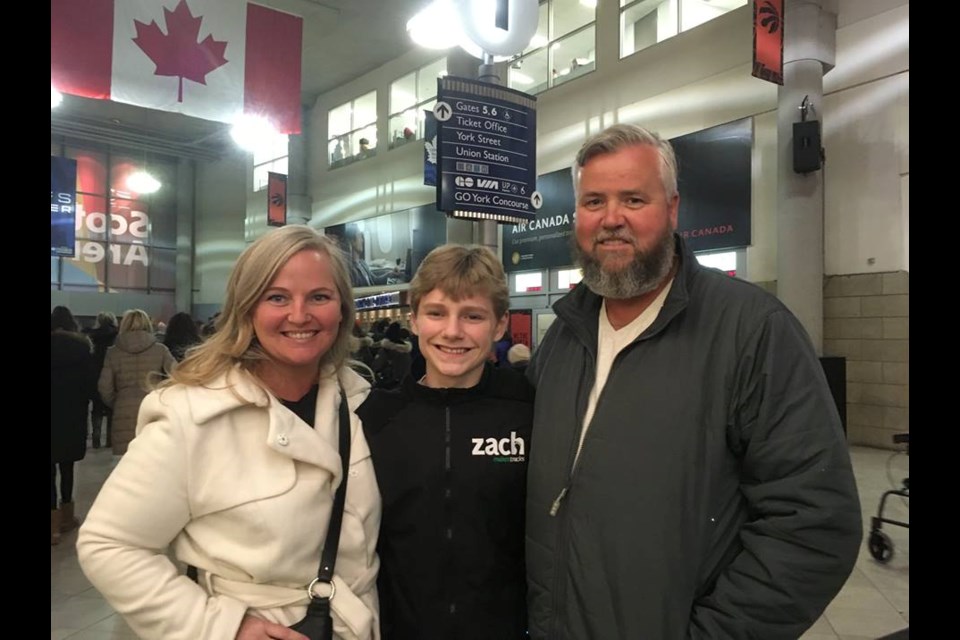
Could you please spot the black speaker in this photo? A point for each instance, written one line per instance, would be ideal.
(806, 146)
(835, 370)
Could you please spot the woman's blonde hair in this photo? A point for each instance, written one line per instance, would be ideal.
(136, 320)
(235, 342)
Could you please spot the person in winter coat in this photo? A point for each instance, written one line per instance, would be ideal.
(129, 363)
(363, 351)
(103, 335)
(392, 362)
(236, 463)
(691, 479)
(181, 334)
(450, 453)
(518, 357)
(71, 387)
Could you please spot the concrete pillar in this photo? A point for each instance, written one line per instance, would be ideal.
(809, 52)
(186, 232)
(299, 202)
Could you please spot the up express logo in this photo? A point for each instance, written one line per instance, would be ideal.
(512, 449)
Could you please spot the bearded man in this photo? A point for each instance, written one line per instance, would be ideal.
(691, 478)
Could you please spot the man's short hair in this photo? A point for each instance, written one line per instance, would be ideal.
(620, 136)
(461, 271)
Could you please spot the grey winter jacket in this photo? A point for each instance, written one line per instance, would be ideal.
(713, 496)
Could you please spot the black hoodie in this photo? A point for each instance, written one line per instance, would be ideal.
(451, 465)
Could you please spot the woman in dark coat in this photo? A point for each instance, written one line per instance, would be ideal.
(181, 335)
(72, 385)
(103, 335)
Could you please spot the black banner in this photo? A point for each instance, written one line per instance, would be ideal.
(715, 175)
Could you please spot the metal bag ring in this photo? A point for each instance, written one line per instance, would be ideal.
(312, 595)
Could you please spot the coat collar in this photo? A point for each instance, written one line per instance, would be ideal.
(286, 433)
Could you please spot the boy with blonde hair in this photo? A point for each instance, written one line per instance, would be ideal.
(450, 452)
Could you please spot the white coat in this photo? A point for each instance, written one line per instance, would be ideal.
(241, 489)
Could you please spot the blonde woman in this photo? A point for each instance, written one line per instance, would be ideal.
(124, 381)
(236, 462)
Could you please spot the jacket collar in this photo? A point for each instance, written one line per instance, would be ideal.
(243, 389)
(286, 433)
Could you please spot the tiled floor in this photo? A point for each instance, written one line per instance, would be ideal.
(874, 602)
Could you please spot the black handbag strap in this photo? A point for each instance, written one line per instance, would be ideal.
(328, 556)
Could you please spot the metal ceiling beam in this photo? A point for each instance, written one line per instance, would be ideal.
(206, 148)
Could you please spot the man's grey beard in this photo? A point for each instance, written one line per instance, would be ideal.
(644, 273)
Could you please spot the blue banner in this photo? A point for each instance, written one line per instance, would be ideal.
(63, 206)
(430, 149)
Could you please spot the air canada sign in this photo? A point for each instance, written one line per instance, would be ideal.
(544, 241)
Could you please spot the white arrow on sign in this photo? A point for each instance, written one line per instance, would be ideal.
(536, 199)
(442, 111)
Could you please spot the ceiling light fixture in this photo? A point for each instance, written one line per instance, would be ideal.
(252, 132)
(142, 182)
(55, 97)
(436, 26)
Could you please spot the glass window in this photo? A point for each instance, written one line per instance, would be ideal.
(117, 229)
(410, 96)
(260, 177)
(89, 265)
(644, 23)
(271, 155)
(338, 120)
(129, 221)
(403, 93)
(91, 217)
(532, 281)
(725, 261)
(695, 12)
(127, 266)
(567, 278)
(91, 170)
(427, 79)
(163, 225)
(352, 130)
(530, 74)
(574, 55)
(563, 48)
(569, 15)
(163, 269)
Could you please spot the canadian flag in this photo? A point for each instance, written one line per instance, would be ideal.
(212, 59)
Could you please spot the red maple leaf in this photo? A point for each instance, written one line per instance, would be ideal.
(177, 53)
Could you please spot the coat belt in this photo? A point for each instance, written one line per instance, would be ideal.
(352, 617)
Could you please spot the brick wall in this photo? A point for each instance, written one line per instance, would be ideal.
(866, 319)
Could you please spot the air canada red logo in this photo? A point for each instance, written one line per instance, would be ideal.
(178, 53)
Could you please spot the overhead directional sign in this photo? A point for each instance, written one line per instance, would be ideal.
(486, 151)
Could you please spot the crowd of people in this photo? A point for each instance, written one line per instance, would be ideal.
(668, 463)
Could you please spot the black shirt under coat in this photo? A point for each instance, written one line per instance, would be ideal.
(451, 465)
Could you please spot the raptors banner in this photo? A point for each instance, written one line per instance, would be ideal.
(768, 40)
(276, 199)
